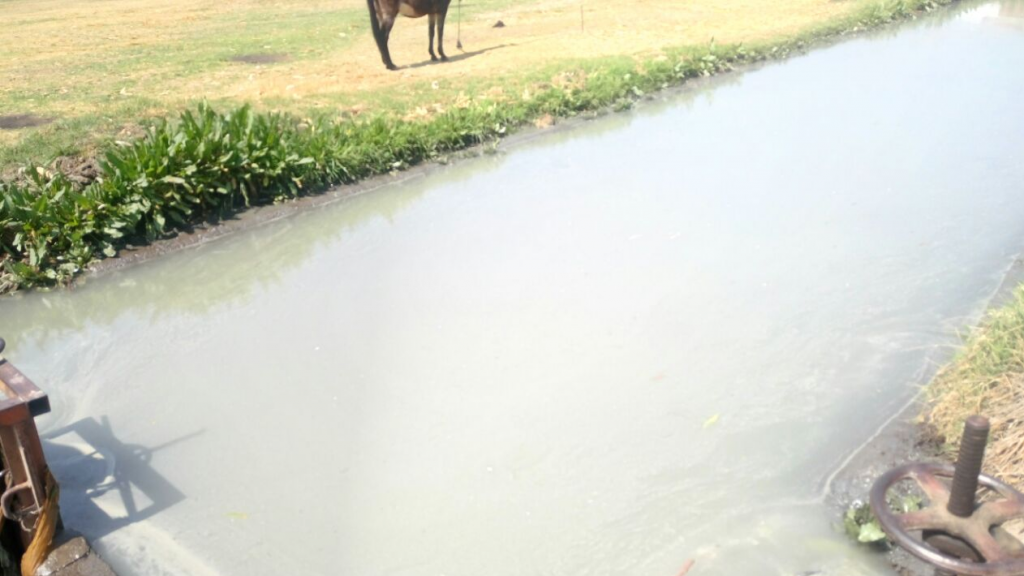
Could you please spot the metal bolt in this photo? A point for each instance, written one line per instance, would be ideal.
(968, 466)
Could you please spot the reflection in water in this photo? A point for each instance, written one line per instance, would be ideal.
(1011, 14)
(505, 368)
(218, 277)
(1008, 14)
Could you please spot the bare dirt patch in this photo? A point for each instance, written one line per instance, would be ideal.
(18, 121)
(260, 58)
(81, 171)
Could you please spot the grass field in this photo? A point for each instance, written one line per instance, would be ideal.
(97, 68)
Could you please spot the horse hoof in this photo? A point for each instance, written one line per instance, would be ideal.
(433, 58)
(391, 67)
(444, 58)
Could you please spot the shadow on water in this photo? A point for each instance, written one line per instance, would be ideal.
(107, 484)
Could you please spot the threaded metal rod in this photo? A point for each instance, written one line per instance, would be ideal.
(968, 466)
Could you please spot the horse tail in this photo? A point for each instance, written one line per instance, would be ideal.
(458, 34)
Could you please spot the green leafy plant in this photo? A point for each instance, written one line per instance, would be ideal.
(861, 524)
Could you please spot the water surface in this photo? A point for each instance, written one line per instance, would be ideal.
(649, 338)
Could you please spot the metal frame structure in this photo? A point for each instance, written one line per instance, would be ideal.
(25, 470)
(955, 533)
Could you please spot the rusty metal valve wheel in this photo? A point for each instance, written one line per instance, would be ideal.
(1000, 552)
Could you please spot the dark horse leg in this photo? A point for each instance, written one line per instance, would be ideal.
(381, 32)
(440, 33)
(385, 28)
(430, 43)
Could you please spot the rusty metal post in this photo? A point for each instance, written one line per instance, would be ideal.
(964, 489)
(958, 535)
(25, 469)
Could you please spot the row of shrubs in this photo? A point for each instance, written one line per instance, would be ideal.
(208, 164)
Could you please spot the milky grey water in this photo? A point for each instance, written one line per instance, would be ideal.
(649, 338)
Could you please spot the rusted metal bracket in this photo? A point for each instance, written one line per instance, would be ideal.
(25, 470)
(955, 533)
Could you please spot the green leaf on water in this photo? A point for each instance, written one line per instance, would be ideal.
(860, 522)
(871, 532)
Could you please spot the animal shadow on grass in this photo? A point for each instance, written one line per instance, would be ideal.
(455, 58)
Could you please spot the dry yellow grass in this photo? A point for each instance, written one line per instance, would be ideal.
(43, 33)
(534, 34)
(106, 62)
(987, 378)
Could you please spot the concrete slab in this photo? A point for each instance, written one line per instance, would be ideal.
(72, 556)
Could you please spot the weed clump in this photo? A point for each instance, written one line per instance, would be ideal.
(987, 377)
